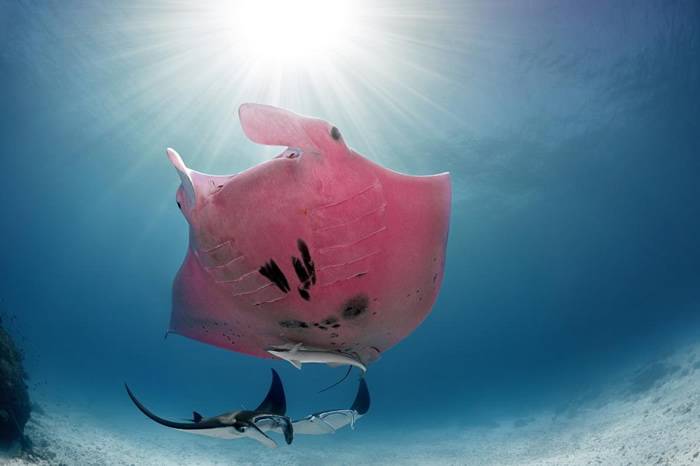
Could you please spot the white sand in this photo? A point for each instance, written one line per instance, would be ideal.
(651, 417)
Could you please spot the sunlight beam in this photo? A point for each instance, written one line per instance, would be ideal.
(283, 31)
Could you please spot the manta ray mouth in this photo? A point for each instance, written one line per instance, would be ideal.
(262, 124)
(290, 153)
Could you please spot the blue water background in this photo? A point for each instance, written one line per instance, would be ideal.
(570, 129)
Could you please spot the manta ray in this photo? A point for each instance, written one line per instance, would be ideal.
(318, 249)
(327, 422)
(269, 415)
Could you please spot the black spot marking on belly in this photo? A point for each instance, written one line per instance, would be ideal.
(272, 272)
(305, 270)
(330, 320)
(355, 307)
(300, 270)
(293, 324)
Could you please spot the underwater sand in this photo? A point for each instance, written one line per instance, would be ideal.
(652, 416)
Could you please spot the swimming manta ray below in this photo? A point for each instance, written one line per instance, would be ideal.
(318, 255)
(269, 416)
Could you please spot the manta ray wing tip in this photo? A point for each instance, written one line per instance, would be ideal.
(175, 159)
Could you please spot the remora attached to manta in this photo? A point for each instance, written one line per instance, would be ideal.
(318, 246)
(297, 355)
(269, 415)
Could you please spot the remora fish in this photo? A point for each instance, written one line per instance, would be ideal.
(297, 355)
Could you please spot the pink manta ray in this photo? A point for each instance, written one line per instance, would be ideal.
(317, 250)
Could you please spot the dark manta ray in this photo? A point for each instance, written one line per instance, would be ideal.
(269, 415)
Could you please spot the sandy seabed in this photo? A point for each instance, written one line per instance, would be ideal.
(651, 417)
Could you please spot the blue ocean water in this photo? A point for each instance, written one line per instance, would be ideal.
(570, 130)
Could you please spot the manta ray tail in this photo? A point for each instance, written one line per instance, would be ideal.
(362, 401)
(275, 401)
(339, 381)
(160, 420)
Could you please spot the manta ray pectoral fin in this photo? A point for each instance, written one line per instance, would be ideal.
(313, 425)
(326, 422)
(362, 399)
(331, 429)
(185, 176)
(275, 402)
